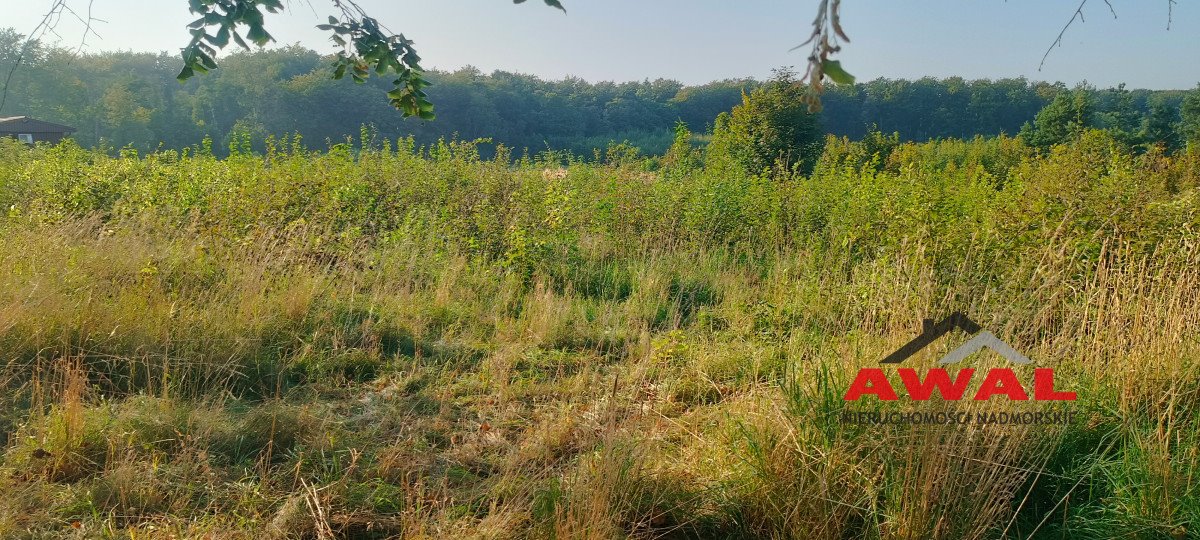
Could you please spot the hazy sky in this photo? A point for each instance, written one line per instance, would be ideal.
(696, 41)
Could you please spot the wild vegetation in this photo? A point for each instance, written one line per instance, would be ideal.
(119, 100)
(392, 339)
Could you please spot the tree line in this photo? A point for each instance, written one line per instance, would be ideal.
(120, 99)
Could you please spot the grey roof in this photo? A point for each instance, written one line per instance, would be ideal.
(25, 124)
(981, 340)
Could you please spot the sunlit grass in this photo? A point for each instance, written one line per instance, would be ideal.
(378, 343)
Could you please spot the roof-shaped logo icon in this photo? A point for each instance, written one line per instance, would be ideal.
(982, 338)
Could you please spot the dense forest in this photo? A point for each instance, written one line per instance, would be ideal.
(133, 99)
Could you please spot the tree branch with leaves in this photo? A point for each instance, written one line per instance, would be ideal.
(365, 46)
(825, 39)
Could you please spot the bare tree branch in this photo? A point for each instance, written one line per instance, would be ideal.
(87, 22)
(49, 25)
(1079, 15)
(1058, 40)
(1110, 8)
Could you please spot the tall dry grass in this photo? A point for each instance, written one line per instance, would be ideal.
(369, 343)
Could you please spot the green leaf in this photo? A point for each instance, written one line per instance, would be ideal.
(207, 61)
(258, 35)
(222, 37)
(836, 73)
(551, 3)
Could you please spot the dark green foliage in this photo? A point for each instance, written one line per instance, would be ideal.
(879, 146)
(227, 17)
(930, 108)
(121, 99)
(1062, 120)
(364, 45)
(771, 127)
(1122, 119)
(682, 157)
(1189, 127)
(1159, 126)
(690, 295)
(551, 3)
(132, 99)
(601, 279)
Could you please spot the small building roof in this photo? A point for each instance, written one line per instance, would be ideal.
(25, 124)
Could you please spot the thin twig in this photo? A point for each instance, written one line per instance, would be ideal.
(87, 26)
(48, 25)
(1079, 15)
(30, 41)
(1110, 8)
(1058, 41)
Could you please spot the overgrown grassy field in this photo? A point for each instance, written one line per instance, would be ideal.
(394, 342)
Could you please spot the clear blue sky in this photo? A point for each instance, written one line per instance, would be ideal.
(696, 41)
